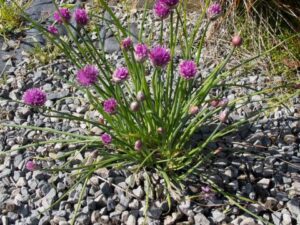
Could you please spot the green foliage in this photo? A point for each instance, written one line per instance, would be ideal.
(45, 54)
(10, 18)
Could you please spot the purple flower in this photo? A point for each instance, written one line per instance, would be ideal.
(159, 56)
(120, 74)
(87, 75)
(138, 145)
(30, 165)
(187, 69)
(126, 43)
(215, 102)
(53, 30)
(34, 97)
(110, 106)
(106, 138)
(161, 11)
(223, 102)
(170, 3)
(63, 14)
(81, 17)
(141, 52)
(214, 11)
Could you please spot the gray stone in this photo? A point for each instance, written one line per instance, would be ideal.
(58, 95)
(154, 212)
(45, 220)
(293, 207)
(200, 219)
(264, 183)
(6, 172)
(276, 217)
(289, 139)
(111, 45)
(83, 219)
(131, 220)
(218, 216)
(106, 189)
(138, 192)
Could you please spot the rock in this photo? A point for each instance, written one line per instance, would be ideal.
(289, 139)
(200, 219)
(138, 192)
(264, 183)
(271, 203)
(6, 172)
(40, 8)
(134, 204)
(218, 216)
(58, 95)
(111, 45)
(45, 220)
(83, 219)
(293, 207)
(154, 212)
(131, 220)
(106, 189)
(276, 217)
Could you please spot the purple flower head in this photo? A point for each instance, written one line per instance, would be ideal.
(110, 106)
(34, 97)
(159, 56)
(106, 138)
(187, 69)
(31, 165)
(206, 189)
(126, 43)
(215, 102)
(161, 10)
(141, 52)
(170, 3)
(214, 11)
(237, 41)
(120, 74)
(81, 17)
(138, 145)
(63, 14)
(87, 75)
(53, 30)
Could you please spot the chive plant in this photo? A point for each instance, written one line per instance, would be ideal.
(148, 118)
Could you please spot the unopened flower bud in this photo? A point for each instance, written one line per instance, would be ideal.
(214, 102)
(134, 106)
(138, 145)
(101, 120)
(223, 115)
(140, 96)
(31, 165)
(160, 130)
(193, 110)
(297, 86)
(237, 41)
(223, 103)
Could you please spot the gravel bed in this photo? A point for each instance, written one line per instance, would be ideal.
(261, 162)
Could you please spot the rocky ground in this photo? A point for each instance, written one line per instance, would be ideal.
(261, 162)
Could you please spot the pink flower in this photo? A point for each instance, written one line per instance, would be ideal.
(141, 52)
(87, 75)
(214, 11)
(106, 138)
(126, 43)
(62, 15)
(34, 97)
(159, 56)
(161, 11)
(81, 17)
(138, 145)
(187, 69)
(237, 41)
(170, 3)
(30, 165)
(120, 74)
(110, 106)
(53, 30)
(214, 102)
